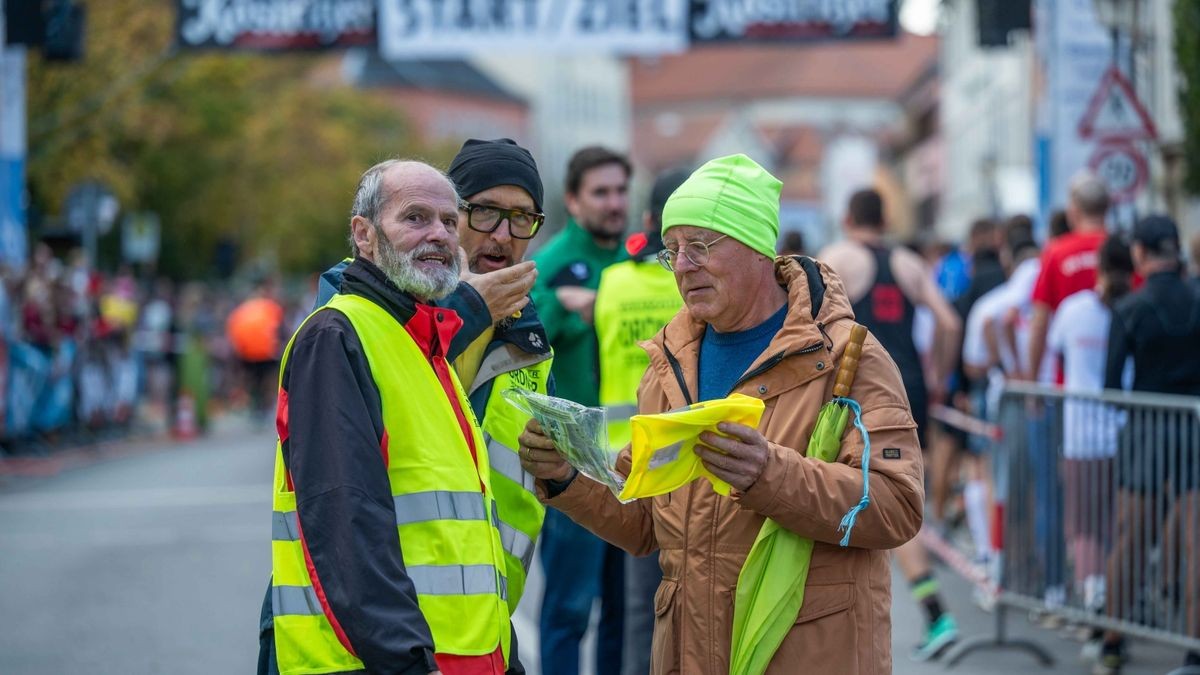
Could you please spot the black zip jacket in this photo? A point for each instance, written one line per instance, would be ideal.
(1159, 326)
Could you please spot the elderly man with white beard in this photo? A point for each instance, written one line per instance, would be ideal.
(386, 551)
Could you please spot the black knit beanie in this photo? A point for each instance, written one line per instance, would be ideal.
(481, 165)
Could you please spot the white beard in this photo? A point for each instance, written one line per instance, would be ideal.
(401, 269)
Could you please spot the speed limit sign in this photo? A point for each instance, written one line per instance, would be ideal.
(1122, 167)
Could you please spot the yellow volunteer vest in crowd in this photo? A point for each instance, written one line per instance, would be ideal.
(521, 514)
(634, 301)
(449, 528)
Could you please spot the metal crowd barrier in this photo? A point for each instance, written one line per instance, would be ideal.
(1098, 509)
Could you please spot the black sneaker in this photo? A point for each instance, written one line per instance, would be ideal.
(1112, 657)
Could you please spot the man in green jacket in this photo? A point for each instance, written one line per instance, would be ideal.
(579, 566)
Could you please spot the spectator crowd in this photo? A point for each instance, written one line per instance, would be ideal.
(87, 354)
(1087, 307)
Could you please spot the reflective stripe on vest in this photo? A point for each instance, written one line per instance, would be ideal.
(420, 507)
(456, 579)
(295, 600)
(506, 462)
(517, 543)
(451, 544)
(284, 526)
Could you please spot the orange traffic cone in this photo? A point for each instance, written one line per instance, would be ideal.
(185, 417)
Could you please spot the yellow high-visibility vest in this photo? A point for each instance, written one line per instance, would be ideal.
(521, 513)
(634, 301)
(449, 527)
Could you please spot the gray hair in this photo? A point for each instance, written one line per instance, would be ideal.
(369, 199)
(1089, 194)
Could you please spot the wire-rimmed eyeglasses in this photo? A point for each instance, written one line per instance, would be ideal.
(695, 251)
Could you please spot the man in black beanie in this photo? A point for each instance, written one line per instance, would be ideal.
(500, 212)
(494, 177)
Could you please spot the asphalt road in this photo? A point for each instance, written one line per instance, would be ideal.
(154, 559)
(155, 562)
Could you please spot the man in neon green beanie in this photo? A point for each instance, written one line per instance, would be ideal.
(732, 195)
(773, 329)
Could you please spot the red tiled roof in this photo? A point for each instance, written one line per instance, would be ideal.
(867, 69)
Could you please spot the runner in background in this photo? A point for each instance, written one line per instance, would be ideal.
(1069, 261)
(964, 275)
(886, 284)
(1079, 336)
(255, 331)
(989, 357)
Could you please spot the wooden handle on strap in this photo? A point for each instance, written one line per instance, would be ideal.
(848, 366)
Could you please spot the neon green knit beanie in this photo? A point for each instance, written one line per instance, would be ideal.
(732, 195)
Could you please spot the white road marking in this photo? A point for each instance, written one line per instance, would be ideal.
(137, 498)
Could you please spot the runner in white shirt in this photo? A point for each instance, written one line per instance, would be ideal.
(990, 351)
(979, 350)
(1019, 315)
(1079, 333)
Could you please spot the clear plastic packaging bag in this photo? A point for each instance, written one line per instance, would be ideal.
(580, 433)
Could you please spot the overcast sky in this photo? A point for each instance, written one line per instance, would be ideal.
(919, 16)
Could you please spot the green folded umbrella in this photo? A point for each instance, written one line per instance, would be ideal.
(770, 589)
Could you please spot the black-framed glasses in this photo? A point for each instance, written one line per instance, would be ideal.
(484, 218)
(696, 251)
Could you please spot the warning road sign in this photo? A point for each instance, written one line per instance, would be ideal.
(1122, 167)
(1115, 112)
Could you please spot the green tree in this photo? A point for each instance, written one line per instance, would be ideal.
(252, 149)
(1187, 56)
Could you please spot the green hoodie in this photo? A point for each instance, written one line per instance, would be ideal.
(572, 258)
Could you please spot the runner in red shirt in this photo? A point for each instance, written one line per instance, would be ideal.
(1069, 262)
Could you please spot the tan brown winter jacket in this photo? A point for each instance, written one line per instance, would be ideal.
(845, 623)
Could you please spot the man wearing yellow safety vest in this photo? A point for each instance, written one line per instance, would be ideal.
(773, 329)
(502, 209)
(387, 547)
(635, 299)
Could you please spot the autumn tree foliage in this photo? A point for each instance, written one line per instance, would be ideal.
(261, 150)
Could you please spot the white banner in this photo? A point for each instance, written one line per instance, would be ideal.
(456, 28)
(274, 25)
(792, 20)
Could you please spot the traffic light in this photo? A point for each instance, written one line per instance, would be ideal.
(24, 23)
(64, 31)
(997, 18)
(54, 25)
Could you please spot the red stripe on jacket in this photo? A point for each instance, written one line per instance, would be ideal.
(320, 591)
